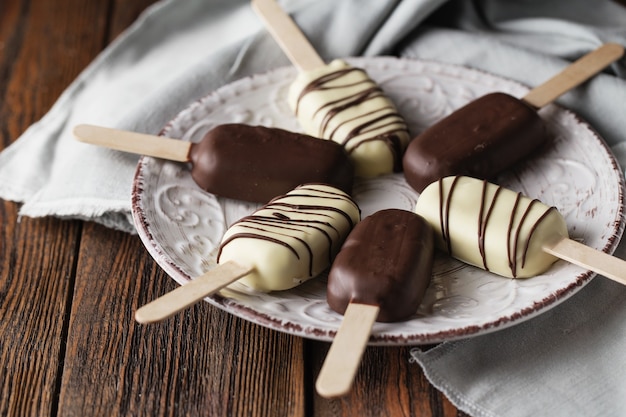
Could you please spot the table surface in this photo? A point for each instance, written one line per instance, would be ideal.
(68, 289)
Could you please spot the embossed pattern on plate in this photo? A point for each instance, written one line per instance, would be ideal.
(181, 225)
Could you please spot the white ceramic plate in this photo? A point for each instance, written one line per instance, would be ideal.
(181, 226)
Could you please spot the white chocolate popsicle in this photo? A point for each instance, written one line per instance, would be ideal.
(287, 241)
(491, 227)
(341, 103)
(504, 232)
(291, 239)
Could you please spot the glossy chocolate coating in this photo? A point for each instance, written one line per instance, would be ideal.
(479, 140)
(256, 163)
(385, 261)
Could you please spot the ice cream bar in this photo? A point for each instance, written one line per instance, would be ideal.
(381, 274)
(284, 243)
(495, 131)
(504, 232)
(341, 103)
(386, 261)
(338, 102)
(480, 139)
(293, 238)
(491, 227)
(256, 163)
(251, 163)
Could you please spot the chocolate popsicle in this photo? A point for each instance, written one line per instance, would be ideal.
(385, 261)
(284, 243)
(505, 232)
(495, 131)
(250, 163)
(380, 274)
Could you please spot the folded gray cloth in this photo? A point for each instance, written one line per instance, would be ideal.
(568, 361)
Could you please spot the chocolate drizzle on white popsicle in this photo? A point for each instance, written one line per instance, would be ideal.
(377, 121)
(282, 223)
(502, 231)
(284, 243)
(519, 231)
(292, 238)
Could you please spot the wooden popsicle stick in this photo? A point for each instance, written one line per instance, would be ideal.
(288, 35)
(574, 75)
(192, 292)
(137, 143)
(589, 258)
(343, 358)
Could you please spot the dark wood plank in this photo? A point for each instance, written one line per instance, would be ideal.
(386, 384)
(54, 41)
(37, 257)
(36, 260)
(200, 362)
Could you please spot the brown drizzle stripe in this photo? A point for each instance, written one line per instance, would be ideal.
(321, 83)
(339, 125)
(516, 237)
(483, 228)
(532, 231)
(444, 212)
(482, 225)
(332, 109)
(288, 225)
(279, 223)
(511, 250)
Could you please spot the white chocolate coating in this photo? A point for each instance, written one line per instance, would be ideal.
(341, 103)
(291, 239)
(491, 227)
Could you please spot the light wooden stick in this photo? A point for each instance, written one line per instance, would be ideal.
(289, 36)
(574, 75)
(343, 358)
(192, 292)
(137, 143)
(589, 258)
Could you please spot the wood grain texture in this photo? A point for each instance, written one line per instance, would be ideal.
(37, 257)
(36, 260)
(195, 363)
(387, 384)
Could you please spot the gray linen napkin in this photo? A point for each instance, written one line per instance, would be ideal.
(566, 362)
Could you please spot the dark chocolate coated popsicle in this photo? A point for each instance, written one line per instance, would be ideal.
(479, 140)
(257, 163)
(250, 163)
(380, 274)
(385, 261)
(497, 130)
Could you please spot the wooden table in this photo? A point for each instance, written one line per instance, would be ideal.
(68, 289)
